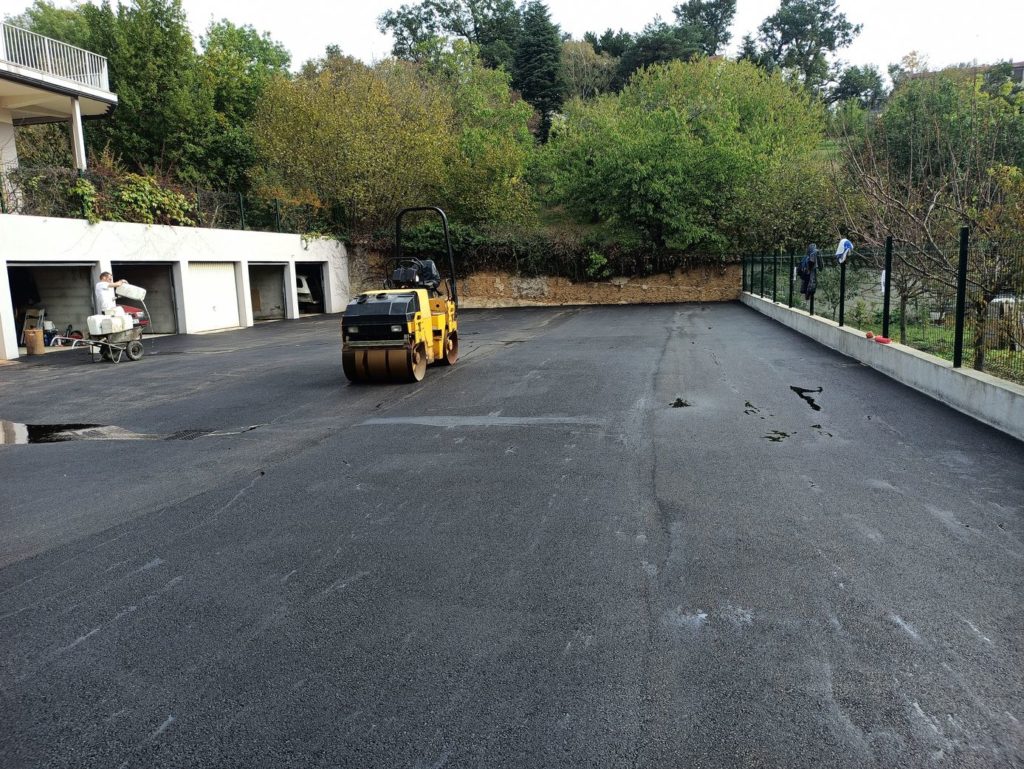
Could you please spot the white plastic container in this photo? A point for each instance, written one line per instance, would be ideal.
(128, 291)
(95, 322)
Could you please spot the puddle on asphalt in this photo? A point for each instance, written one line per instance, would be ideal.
(679, 403)
(18, 433)
(805, 394)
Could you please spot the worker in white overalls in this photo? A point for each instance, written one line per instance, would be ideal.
(105, 298)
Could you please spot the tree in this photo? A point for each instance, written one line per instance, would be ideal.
(375, 139)
(587, 72)
(538, 64)
(682, 156)
(165, 109)
(485, 177)
(709, 20)
(237, 63)
(492, 25)
(802, 34)
(911, 64)
(447, 131)
(612, 43)
(179, 114)
(69, 25)
(940, 155)
(658, 43)
(860, 84)
(701, 28)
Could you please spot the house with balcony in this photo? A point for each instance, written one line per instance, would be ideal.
(197, 279)
(46, 81)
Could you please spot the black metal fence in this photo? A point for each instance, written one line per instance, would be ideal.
(962, 301)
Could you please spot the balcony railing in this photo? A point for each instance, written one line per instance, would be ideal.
(52, 57)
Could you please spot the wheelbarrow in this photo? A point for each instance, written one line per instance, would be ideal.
(118, 344)
(112, 347)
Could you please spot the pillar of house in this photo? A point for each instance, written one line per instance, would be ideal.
(244, 290)
(8, 156)
(291, 294)
(77, 135)
(8, 333)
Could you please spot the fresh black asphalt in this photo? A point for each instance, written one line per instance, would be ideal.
(608, 537)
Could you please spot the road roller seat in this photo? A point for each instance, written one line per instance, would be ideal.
(417, 273)
(429, 276)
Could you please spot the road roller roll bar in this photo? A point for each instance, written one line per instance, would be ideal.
(447, 242)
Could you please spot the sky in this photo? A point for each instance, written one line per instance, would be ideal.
(946, 32)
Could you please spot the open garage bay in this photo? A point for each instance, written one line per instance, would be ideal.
(662, 536)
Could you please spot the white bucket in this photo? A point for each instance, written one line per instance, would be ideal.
(128, 291)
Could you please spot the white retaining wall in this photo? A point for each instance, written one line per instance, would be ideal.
(988, 399)
(46, 241)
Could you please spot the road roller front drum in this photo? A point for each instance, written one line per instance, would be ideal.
(385, 365)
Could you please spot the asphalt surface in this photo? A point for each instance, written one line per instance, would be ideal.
(540, 557)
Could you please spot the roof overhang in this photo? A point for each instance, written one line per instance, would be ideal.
(34, 97)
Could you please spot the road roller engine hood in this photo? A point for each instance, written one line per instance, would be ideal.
(380, 316)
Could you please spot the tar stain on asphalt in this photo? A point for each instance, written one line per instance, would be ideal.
(777, 436)
(754, 411)
(805, 395)
(679, 403)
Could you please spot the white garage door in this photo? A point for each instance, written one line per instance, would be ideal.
(213, 297)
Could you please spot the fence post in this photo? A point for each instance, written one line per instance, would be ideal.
(762, 277)
(241, 209)
(842, 294)
(775, 278)
(743, 274)
(791, 281)
(961, 299)
(887, 287)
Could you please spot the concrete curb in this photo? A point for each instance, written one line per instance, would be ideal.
(988, 399)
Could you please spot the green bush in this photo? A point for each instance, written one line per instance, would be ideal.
(141, 199)
(533, 252)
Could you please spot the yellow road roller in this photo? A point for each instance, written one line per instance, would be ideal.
(392, 335)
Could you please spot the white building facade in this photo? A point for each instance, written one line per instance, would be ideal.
(197, 279)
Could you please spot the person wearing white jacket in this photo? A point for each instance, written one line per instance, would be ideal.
(105, 296)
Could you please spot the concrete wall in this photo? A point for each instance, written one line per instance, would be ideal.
(41, 240)
(266, 289)
(68, 289)
(705, 283)
(159, 285)
(988, 399)
(710, 283)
